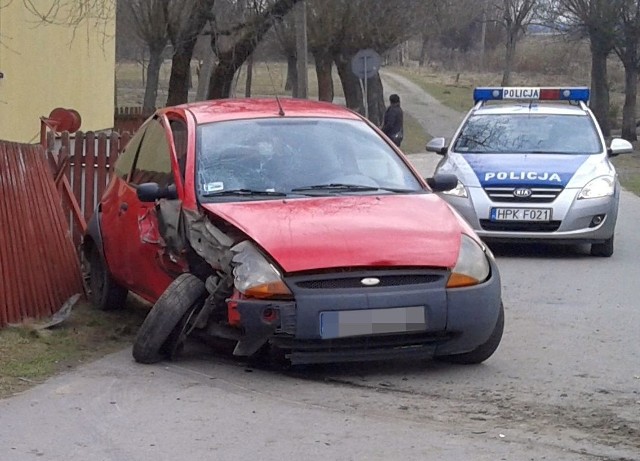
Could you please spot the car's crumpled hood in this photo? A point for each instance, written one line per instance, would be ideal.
(349, 231)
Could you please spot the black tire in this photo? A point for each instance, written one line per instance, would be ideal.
(105, 293)
(483, 351)
(604, 249)
(156, 337)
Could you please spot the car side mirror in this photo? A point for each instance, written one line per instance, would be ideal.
(442, 182)
(152, 191)
(619, 146)
(437, 145)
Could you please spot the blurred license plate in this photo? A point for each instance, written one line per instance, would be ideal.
(520, 214)
(339, 324)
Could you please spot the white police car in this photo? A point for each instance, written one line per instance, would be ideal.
(532, 165)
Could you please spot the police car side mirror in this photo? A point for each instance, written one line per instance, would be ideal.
(149, 192)
(442, 182)
(437, 145)
(619, 146)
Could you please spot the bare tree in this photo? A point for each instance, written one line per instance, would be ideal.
(184, 30)
(285, 32)
(338, 29)
(515, 16)
(598, 20)
(150, 21)
(448, 23)
(626, 48)
(241, 40)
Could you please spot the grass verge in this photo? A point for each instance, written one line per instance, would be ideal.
(29, 355)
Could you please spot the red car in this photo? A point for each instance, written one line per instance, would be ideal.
(290, 226)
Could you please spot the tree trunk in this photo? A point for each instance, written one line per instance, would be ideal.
(230, 61)
(292, 75)
(179, 79)
(423, 51)
(508, 60)
(222, 79)
(375, 99)
(350, 83)
(183, 42)
(324, 67)
(247, 86)
(153, 77)
(630, 99)
(600, 87)
(205, 75)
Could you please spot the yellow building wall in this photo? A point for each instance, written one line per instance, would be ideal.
(49, 65)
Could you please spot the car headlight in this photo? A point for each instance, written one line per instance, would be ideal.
(472, 266)
(459, 191)
(603, 186)
(254, 276)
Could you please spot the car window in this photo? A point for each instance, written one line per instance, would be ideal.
(179, 131)
(125, 161)
(286, 154)
(526, 133)
(153, 163)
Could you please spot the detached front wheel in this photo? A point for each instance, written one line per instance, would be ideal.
(163, 328)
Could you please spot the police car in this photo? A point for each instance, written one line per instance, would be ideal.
(533, 165)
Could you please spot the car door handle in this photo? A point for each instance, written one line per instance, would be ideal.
(124, 206)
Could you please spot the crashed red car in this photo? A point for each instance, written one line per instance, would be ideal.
(290, 226)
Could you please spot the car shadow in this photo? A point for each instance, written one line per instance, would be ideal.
(539, 250)
(197, 351)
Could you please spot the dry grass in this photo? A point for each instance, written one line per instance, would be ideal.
(29, 355)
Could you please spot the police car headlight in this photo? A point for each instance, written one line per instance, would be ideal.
(472, 266)
(459, 191)
(603, 186)
(254, 276)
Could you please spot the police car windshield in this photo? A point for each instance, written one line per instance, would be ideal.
(526, 133)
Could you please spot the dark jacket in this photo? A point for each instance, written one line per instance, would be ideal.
(392, 123)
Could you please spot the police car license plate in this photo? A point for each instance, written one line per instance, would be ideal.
(521, 214)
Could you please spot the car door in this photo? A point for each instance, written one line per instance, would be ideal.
(117, 224)
(152, 264)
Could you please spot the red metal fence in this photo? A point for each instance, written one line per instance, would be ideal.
(41, 228)
(39, 269)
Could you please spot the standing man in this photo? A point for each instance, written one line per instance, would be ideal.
(393, 120)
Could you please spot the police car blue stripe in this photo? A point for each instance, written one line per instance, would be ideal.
(524, 169)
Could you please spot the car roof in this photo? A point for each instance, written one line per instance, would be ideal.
(527, 108)
(248, 108)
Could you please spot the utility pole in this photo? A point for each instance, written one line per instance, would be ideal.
(301, 50)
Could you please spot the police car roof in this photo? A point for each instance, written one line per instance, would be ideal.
(518, 108)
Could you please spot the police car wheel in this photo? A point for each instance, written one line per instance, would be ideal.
(604, 249)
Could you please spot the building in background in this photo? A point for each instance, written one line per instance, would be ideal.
(62, 61)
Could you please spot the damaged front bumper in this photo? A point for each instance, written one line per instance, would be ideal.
(453, 321)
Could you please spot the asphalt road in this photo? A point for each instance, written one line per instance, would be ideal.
(564, 384)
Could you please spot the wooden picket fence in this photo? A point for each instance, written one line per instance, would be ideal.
(128, 119)
(82, 164)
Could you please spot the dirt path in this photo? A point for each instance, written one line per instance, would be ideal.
(436, 118)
